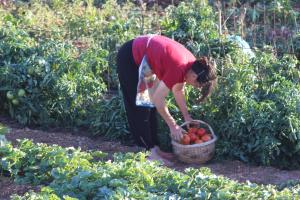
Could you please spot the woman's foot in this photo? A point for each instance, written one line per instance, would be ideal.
(155, 156)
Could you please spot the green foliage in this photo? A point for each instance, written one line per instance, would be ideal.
(61, 55)
(196, 29)
(113, 124)
(184, 23)
(57, 61)
(255, 110)
(263, 22)
(49, 82)
(4, 129)
(192, 24)
(72, 174)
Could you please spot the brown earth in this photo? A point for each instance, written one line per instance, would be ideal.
(232, 169)
(8, 187)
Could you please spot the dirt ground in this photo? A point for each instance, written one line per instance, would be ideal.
(232, 169)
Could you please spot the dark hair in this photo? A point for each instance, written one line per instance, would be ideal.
(206, 76)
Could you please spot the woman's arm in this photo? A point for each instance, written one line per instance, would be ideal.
(158, 99)
(178, 92)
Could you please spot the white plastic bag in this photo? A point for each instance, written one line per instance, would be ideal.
(145, 87)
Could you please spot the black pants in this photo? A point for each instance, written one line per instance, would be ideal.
(142, 121)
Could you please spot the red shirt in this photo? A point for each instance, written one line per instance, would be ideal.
(168, 59)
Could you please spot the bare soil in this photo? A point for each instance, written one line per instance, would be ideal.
(232, 169)
(8, 187)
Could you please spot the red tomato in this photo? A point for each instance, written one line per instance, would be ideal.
(185, 139)
(201, 132)
(192, 130)
(206, 138)
(198, 141)
(193, 137)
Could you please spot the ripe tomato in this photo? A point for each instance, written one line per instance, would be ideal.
(193, 137)
(192, 130)
(206, 138)
(185, 139)
(201, 132)
(198, 141)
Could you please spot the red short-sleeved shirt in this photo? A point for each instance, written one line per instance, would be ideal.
(168, 59)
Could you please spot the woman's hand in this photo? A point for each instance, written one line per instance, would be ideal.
(178, 91)
(176, 132)
(189, 121)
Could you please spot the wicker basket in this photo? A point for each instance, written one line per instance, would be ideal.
(196, 153)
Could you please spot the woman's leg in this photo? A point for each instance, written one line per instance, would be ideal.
(139, 118)
(153, 121)
(154, 125)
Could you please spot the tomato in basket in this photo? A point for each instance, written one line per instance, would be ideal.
(201, 132)
(196, 135)
(192, 130)
(206, 137)
(198, 141)
(188, 149)
(185, 139)
(193, 137)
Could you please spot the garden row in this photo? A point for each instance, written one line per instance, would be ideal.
(68, 173)
(57, 67)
